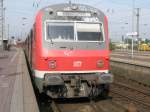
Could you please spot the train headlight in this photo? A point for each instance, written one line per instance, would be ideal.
(100, 63)
(52, 64)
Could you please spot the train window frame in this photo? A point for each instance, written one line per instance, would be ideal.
(101, 29)
(59, 24)
(75, 30)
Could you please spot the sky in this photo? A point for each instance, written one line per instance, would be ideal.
(119, 14)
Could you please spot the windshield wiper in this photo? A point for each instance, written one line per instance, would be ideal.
(51, 41)
(63, 47)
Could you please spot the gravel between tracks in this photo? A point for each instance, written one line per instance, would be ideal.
(91, 106)
(126, 93)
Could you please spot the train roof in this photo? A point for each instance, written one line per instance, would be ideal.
(73, 7)
(68, 7)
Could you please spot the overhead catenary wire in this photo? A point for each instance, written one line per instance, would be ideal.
(96, 3)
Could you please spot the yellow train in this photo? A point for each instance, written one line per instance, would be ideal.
(144, 47)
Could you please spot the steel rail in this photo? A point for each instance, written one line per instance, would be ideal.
(55, 107)
(132, 88)
(130, 98)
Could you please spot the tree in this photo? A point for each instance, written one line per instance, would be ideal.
(147, 41)
(111, 46)
(128, 41)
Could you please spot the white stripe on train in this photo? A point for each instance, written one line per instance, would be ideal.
(40, 74)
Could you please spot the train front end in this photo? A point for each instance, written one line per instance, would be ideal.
(72, 52)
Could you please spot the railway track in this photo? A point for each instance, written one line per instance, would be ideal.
(137, 96)
(129, 52)
(100, 106)
(123, 94)
(82, 107)
(139, 90)
(132, 84)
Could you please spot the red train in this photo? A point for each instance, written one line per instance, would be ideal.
(68, 51)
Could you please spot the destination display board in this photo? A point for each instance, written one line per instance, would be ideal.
(71, 14)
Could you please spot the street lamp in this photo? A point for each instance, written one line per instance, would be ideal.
(24, 18)
(133, 6)
(23, 25)
(125, 38)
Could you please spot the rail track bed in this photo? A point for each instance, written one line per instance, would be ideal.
(125, 96)
(127, 93)
(138, 53)
(91, 106)
(132, 84)
(129, 57)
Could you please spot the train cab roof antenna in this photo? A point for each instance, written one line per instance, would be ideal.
(73, 6)
(70, 3)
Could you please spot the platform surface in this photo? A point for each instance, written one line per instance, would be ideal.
(16, 91)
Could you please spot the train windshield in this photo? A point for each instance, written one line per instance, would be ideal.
(74, 31)
(60, 31)
(89, 32)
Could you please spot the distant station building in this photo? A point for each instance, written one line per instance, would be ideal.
(0, 40)
(5, 42)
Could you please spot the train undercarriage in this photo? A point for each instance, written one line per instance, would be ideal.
(76, 85)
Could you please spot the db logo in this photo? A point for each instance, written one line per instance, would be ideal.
(67, 53)
(77, 64)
